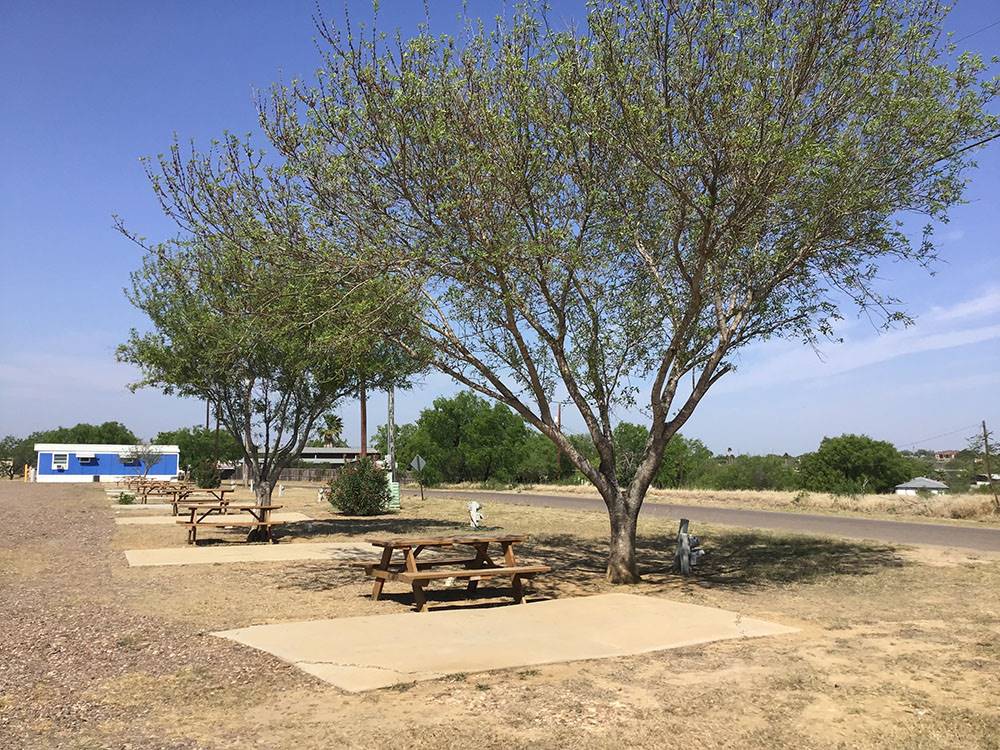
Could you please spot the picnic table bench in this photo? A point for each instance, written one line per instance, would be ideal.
(207, 514)
(472, 566)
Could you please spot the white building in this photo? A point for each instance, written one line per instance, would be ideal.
(921, 484)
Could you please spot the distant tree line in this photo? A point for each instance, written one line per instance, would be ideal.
(467, 439)
(20, 451)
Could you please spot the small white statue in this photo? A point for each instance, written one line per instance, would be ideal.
(281, 490)
(476, 516)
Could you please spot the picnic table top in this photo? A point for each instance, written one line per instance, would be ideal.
(230, 506)
(443, 541)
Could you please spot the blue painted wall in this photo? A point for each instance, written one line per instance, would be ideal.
(104, 463)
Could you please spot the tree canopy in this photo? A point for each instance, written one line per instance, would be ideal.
(21, 451)
(239, 319)
(855, 464)
(199, 445)
(609, 213)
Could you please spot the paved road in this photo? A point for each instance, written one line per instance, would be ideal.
(899, 532)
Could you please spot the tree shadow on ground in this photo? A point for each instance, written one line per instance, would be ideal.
(735, 559)
(354, 526)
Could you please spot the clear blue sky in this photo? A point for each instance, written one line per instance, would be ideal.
(91, 87)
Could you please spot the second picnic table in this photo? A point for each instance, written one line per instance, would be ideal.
(418, 571)
(200, 515)
(179, 494)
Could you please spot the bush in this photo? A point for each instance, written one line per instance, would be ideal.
(360, 489)
(206, 476)
(126, 498)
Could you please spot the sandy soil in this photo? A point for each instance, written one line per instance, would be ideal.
(898, 647)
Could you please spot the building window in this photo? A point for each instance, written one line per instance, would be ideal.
(87, 460)
(60, 461)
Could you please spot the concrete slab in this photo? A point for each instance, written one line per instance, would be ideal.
(149, 506)
(236, 553)
(289, 517)
(366, 653)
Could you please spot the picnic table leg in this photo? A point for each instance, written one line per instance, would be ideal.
(479, 562)
(508, 554)
(411, 561)
(383, 565)
(518, 587)
(419, 598)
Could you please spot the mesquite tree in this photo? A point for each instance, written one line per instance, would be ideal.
(609, 214)
(236, 318)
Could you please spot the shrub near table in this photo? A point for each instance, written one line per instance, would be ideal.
(206, 475)
(360, 489)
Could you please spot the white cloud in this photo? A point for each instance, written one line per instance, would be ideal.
(986, 303)
(941, 328)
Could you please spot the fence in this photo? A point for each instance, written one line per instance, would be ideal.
(296, 475)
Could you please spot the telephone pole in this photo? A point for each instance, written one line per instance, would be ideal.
(558, 448)
(390, 438)
(989, 471)
(363, 398)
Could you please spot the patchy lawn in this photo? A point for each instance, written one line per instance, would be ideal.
(899, 647)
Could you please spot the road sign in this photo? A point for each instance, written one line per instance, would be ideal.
(418, 463)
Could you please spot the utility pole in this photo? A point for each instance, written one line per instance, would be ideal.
(989, 472)
(558, 448)
(363, 398)
(390, 437)
(215, 448)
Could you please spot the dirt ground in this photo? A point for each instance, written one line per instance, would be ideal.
(898, 647)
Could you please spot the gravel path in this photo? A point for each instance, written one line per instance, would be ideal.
(69, 640)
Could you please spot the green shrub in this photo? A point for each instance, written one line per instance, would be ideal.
(126, 498)
(206, 475)
(360, 489)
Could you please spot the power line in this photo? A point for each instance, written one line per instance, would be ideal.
(943, 434)
(978, 31)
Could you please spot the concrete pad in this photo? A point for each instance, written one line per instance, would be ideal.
(148, 506)
(236, 553)
(289, 517)
(365, 653)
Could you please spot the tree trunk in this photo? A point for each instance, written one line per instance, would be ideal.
(621, 554)
(262, 490)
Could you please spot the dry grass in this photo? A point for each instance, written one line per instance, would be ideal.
(891, 653)
(970, 507)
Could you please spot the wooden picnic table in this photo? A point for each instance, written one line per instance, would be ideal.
(201, 515)
(472, 566)
(160, 489)
(179, 494)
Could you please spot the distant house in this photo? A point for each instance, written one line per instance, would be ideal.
(336, 455)
(983, 480)
(945, 455)
(69, 462)
(921, 484)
